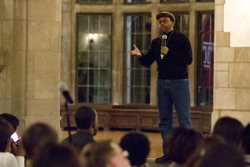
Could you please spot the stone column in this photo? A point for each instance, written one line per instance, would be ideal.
(43, 62)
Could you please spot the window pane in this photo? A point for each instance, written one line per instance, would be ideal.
(104, 60)
(82, 59)
(104, 77)
(103, 98)
(182, 22)
(82, 92)
(82, 77)
(137, 30)
(94, 80)
(94, 43)
(104, 40)
(206, 58)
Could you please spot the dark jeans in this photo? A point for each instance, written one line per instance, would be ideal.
(169, 93)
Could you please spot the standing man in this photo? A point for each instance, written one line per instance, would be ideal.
(87, 126)
(172, 53)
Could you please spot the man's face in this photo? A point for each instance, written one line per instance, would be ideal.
(166, 24)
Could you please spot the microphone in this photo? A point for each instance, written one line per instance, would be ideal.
(63, 88)
(163, 40)
(163, 43)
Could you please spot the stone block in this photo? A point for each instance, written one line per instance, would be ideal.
(45, 60)
(56, 36)
(20, 35)
(31, 61)
(239, 75)
(41, 10)
(8, 72)
(8, 35)
(2, 89)
(30, 87)
(6, 105)
(1, 10)
(2, 62)
(58, 11)
(19, 106)
(43, 107)
(19, 61)
(39, 35)
(221, 79)
(242, 99)
(222, 39)
(224, 54)
(19, 86)
(242, 54)
(219, 2)
(45, 85)
(1, 34)
(20, 9)
(220, 66)
(8, 9)
(224, 98)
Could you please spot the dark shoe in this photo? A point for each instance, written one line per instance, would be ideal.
(162, 160)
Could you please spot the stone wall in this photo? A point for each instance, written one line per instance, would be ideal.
(231, 73)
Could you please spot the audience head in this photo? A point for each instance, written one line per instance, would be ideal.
(56, 155)
(215, 152)
(35, 136)
(86, 117)
(13, 120)
(230, 129)
(6, 130)
(138, 147)
(204, 145)
(103, 154)
(180, 143)
(245, 138)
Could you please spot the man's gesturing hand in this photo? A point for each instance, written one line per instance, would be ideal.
(135, 52)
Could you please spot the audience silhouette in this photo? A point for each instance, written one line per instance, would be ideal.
(138, 147)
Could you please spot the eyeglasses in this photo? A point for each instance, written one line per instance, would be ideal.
(163, 21)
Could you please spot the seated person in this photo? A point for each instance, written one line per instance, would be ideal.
(180, 143)
(14, 121)
(214, 151)
(34, 137)
(56, 155)
(103, 154)
(230, 129)
(86, 120)
(138, 147)
(7, 159)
